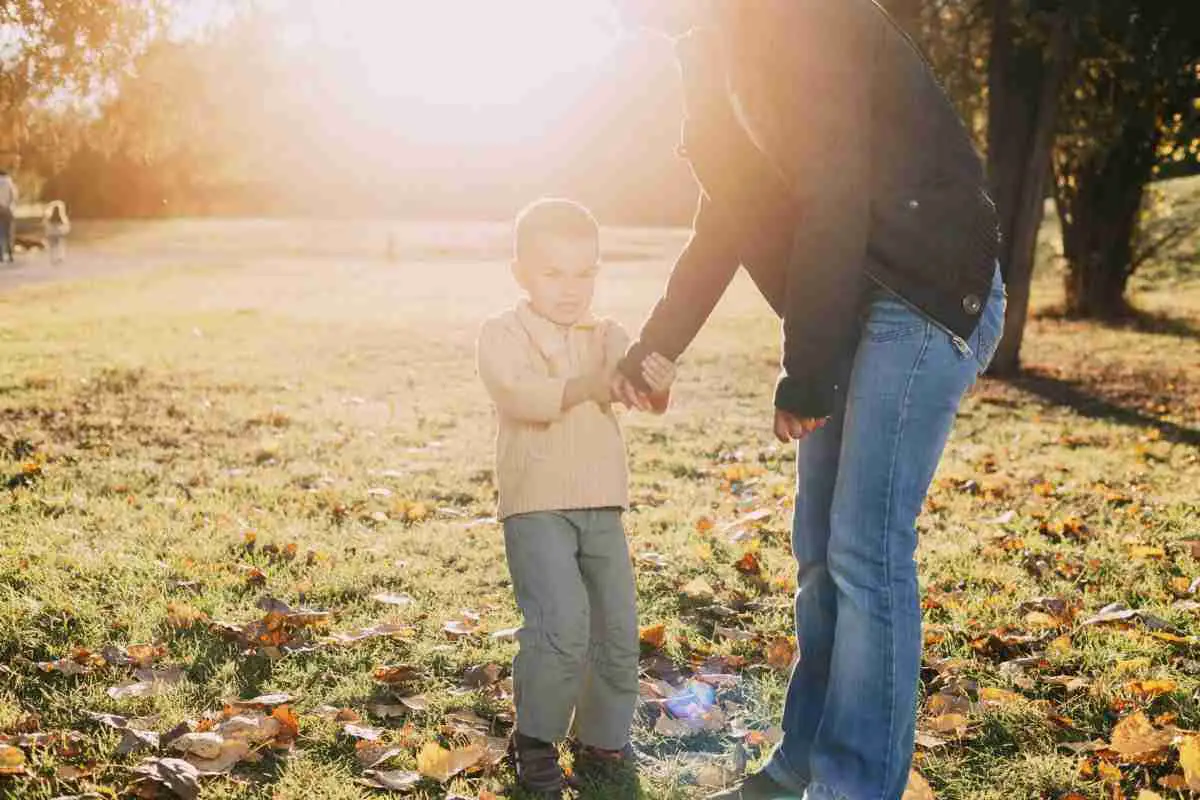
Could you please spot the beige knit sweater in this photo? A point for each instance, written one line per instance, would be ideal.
(548, 459)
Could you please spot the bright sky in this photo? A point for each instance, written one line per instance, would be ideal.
(508, 62)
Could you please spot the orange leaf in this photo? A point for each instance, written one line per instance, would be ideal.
(1189, 759)
(780, 653)
(653, 636)
(748, 565)
(1134, 738)
(12, 760)
(289, 726)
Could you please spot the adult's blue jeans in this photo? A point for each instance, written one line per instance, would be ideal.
(851, 705)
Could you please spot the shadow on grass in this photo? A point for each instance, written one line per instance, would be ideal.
(1136, 320)
(1080, 397)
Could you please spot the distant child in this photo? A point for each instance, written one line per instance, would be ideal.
(57, 227)
(548, 365)
(8, 205)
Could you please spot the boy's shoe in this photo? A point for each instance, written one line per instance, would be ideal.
(536, 763)
(756, 786)
(593, 764)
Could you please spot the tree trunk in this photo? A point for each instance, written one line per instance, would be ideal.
(1025, 84)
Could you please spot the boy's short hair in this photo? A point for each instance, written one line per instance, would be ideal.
(551, 216)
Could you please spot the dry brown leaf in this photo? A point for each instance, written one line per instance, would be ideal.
(698, 589)
(396, 674)
(1135, 738)
(182, 615)
(481, 676)
(371, 754)
(230, 753)
(458, 629)
(263, 701)
(362, 732)
(780, 653)
(174, 773)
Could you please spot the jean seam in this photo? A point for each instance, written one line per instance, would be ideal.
(887, 563)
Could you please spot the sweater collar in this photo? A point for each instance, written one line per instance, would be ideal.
(546, 334)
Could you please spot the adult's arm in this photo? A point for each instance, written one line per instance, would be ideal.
(826, 110)
(699, 278)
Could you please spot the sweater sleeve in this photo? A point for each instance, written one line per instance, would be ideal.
(831, 141)
(701, 275)
(517, 390)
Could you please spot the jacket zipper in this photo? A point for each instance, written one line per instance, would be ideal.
(960, 344)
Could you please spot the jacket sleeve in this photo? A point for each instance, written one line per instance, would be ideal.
(517, 390)
(699, 278)
(826, 109)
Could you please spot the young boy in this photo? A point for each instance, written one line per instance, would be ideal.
(548, 365)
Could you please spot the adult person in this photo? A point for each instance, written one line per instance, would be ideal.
(833, 167)
(8, 207)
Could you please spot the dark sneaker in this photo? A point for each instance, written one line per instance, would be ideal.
(756, 786)
(592, 764)
(538, 770)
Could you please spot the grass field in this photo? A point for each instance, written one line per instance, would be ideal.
(259, 464)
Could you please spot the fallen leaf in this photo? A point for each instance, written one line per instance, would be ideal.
(371, 754)
(415, 702)
(653, 636)
(998, 697)
(174, 773)
(230, 754)
(749, 564)
(440, 764)
(133, 741)
(361, 732)
(1189, 760)
(1143, 552)
(698, 589)
(262, 701)
(1135, 738)
(1113, 612)
(182, 615)
(395, 674)
(949, 723)
(392, 599)
(458, 629)
(780, 653)
(704, 525)
(918, 788)
(12, 760)
(733, 634)
(1150, 689)
(1146, 794)
(390, 629)
(481, 676)
(396, 781)
(506, 635)
(1132, 665)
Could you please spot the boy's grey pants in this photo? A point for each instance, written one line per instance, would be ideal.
(579, 644)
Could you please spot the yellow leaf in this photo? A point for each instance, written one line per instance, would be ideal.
(1132, 665)
(1151, 688)
(1061, 645)
(1109, 773)
(999, 697)
(12, 760)
(435, 761)
(918, 788)
(1146, 794)
(1144, 551)
(949, 723)
(1189, 759)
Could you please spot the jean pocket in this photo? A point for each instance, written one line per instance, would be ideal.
(890, 320)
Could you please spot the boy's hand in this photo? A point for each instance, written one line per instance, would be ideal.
(625, 392)
(659, 373)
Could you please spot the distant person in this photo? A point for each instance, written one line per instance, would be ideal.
(8, 209)
(548, 364)
(57, 226)
(834, 168)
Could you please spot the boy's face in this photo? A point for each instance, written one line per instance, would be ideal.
(560, 278)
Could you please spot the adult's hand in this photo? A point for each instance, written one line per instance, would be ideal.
(789, 427)
(625, 392)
